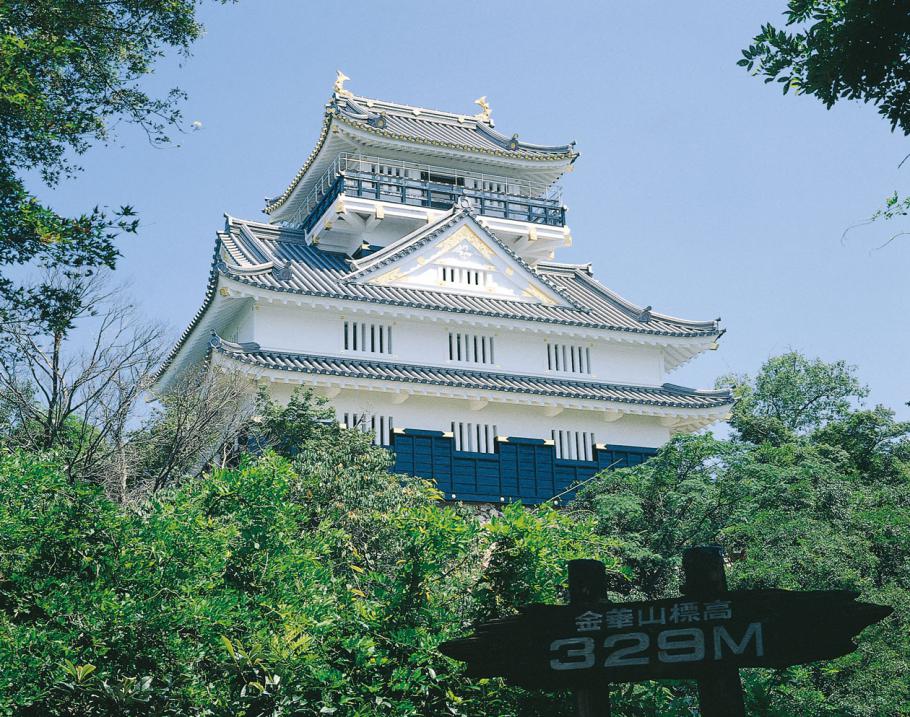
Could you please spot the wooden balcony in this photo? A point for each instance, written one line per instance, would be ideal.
(432, 187)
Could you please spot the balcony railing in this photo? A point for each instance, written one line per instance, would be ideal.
(427, 186)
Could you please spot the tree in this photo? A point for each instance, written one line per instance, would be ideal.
(196, 425)
(820, 500)
(314, 585)
(839, 50)
(69, 71)
(79, 401)
(794, 394)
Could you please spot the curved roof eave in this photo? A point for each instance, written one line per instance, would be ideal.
(585, 273)
(664, 396)
(275, 203)
(365, 109)
(710, 325)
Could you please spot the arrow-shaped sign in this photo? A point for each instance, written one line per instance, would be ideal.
(585, 645)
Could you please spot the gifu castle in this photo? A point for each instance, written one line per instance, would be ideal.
(407, 274)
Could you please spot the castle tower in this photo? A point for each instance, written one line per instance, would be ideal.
(407, 273)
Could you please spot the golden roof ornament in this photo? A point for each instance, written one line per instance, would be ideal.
(484, 114)
(339, 85)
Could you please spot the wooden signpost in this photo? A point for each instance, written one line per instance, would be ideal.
(706, 634)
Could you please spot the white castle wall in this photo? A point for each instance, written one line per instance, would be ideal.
(295, 329)
(286, 328)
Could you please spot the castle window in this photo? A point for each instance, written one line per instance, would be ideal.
(379, 426)
(568, 358)
(472, 278)
(442, 179)
(471, 348)
(574, 445)
(474, 437)
(367, 337)
(388, 170)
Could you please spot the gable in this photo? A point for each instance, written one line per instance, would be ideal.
(459, 257)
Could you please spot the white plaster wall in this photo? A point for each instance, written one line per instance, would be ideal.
(245, 330)
(288, 328)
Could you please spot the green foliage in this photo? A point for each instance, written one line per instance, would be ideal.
(678, 500)
(895, 206)
(286, 428)
(318, 584)
(315, 582)
(793, 394)
(818, 500)
(69, 69)
(843, 50)
(840, 50)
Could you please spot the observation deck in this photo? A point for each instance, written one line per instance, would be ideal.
(428, 186)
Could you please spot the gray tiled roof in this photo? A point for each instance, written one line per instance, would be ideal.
(279, 259)
(314, 272)
(421, 126)
(666, 396)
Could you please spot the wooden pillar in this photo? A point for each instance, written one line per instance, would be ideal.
(588, 584)
(722, 694)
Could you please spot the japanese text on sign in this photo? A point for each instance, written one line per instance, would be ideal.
(687, 612)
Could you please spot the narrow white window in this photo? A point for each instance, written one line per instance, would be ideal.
(573, 445)
(568, 358)
(474, 437)
(367, 337)
(380, 426)
(470, 348)
(458, 276)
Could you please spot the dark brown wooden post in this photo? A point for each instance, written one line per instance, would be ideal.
(587, 584)
(722, 694)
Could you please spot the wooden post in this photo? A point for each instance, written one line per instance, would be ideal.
(587, 584)
(722, 694)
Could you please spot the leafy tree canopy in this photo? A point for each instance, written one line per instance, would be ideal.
(69, 71)
(813, 492)
(309, 580)
(318, 584)
(843, 50)
(793, 393)
(840, 49)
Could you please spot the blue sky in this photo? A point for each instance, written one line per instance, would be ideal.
(699, 189)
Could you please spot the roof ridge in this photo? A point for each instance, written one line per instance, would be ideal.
(685, 390)
(266, 226)
(465, 116)
(215, 341)
(586, 267)
(456, 118)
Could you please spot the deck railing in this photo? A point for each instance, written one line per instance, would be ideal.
(429, 186)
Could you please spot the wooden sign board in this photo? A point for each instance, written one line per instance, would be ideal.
(585, 645)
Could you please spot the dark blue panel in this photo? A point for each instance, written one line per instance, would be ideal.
(524, 469)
